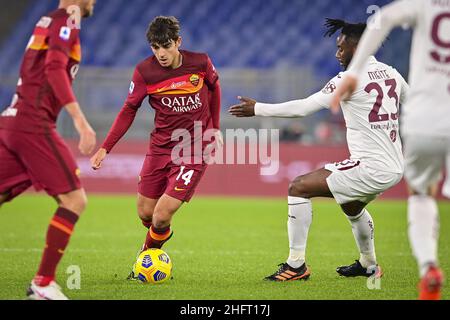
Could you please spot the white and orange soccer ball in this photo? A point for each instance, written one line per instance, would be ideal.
(153, 266)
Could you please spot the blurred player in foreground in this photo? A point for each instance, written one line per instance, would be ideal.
(375, 164)
(425, 120)
(31, 150)
(183, 88)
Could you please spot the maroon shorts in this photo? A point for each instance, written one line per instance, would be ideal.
(43, 161)
(160, 176)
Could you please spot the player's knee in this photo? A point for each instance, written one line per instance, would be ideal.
(162, 218)
(298, 188)
(145, 212)
(75, 202)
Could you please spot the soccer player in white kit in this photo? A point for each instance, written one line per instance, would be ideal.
(425, 120)
(375, 163)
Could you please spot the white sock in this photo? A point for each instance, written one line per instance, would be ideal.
(300, 219)
(363, 230)
(423, 218)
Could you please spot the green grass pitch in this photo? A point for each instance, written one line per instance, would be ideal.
(222, 248)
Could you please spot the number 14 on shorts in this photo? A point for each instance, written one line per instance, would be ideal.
(186, 177)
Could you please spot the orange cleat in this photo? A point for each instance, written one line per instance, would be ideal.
(431, 284)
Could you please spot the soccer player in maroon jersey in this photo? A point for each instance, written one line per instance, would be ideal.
(183, 88)
(31, 150)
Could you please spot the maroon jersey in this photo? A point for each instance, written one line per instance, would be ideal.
(179, 96)
(49, 66)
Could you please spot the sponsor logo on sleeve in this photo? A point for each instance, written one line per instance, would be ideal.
(44, 22)
(64, 33)
(131, 87)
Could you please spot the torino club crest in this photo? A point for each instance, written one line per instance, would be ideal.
(329, 88)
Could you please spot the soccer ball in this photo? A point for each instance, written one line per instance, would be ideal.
(153, 266)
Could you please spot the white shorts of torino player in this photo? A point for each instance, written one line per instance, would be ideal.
(354, 180)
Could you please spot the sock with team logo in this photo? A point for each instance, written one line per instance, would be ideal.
(300, 219)
(363, 230)
(58, 236)
(423, 231)
(157, 237)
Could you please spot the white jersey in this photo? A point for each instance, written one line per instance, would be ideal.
(371, 115)
(428, 108)
(427, 111)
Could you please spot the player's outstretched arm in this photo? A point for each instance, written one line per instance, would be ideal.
(292, 109)
(124, 120)
(87, 134)
(245, 109)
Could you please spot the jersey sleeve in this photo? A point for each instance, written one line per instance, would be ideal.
(398, 13)
(211, 74)
(324, 97)
(125, 118)
(61, 37)
(137, 91)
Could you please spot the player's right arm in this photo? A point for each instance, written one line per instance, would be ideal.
(291, 109)
(123, 122)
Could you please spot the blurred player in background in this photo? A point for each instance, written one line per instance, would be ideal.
(425, 120)
(31, 150)
(375, 165)
(183, 88)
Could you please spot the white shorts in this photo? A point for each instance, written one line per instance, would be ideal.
(426, 158)
(352, 180)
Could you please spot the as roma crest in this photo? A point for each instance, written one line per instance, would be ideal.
(195, 80)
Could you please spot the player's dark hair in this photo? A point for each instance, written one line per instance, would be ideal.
(353, 31)
(163, 29)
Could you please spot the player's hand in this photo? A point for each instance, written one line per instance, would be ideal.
(88, 141)
(217, 144)
(343, 92)
(218, 139)
(244, 109)
(97, 159)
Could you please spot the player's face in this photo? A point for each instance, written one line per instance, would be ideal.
(345, 51)
(87, 6)
(168, 54)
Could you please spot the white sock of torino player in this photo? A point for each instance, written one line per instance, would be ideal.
(423, 218)
(300, 219)
(363, 230)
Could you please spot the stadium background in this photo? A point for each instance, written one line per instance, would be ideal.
(271, 50)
